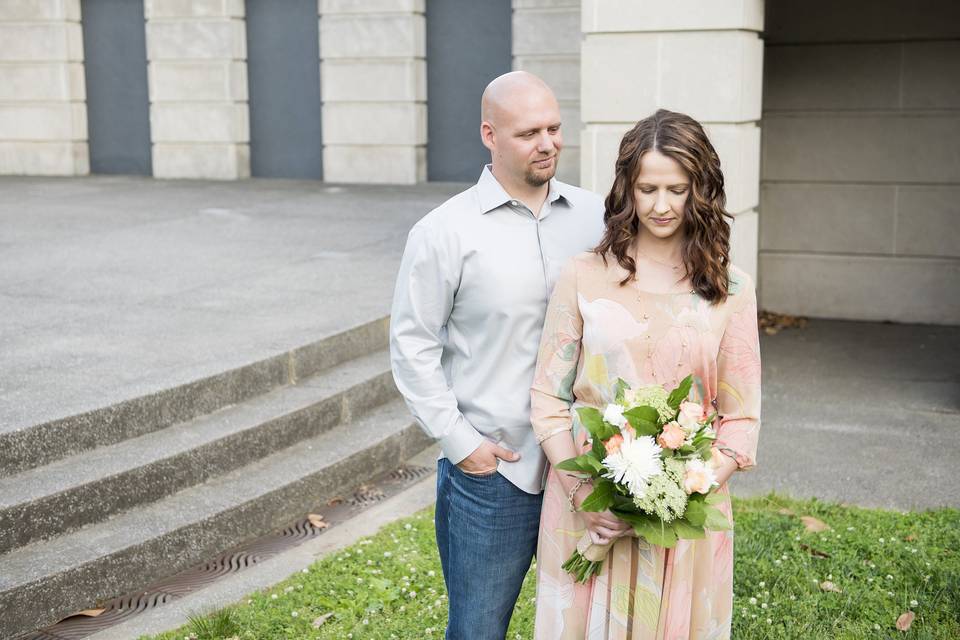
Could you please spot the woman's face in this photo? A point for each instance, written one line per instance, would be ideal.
(660, 193)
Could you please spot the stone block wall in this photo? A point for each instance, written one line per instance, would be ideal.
(702, 58)
(43, 115)
(199, 120)
(374, 90)
(546, 42)
(861, 175)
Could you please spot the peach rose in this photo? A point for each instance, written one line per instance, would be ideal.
(672, 436)
(690, 416)
(612, 444)
(699, 477)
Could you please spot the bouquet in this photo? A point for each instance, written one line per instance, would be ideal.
(647, 459)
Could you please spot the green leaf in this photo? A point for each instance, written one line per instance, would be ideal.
(687, 531)
(593, 421)
(715, 498)
(584, 463)
(658, 533)
(680, 394)
(716, 519)
(696, 513)
(619, 389)
(642, 413)
(601, 498)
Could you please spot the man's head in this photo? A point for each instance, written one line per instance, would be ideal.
(521, 128)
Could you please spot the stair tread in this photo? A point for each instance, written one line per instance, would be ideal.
(96, 464)
(40, 560)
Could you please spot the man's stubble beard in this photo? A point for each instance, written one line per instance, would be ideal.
(536, 178)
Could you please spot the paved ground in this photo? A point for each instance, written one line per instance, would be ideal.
(113, 287)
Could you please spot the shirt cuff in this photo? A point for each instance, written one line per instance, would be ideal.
(462, 440)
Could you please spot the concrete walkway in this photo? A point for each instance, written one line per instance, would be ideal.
(117, 287)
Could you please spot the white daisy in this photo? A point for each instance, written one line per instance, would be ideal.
(635, 463)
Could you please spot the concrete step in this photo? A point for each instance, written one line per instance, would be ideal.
(44, 581)
(87, 487)
(25, 447)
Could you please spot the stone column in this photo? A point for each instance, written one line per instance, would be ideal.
(43, 112)
(546, 42)
(373, 88)
(199, 120)
(700, 57)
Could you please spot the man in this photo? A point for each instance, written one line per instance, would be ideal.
(468, 310)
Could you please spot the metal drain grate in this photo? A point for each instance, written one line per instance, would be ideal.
(120, 609)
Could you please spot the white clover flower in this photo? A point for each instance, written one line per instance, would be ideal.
(635, 463)
(614, 415)
(889, 577)
(413, 594)
(752, 601)
(762, 584)
(387, 554)
(273, 596)
(408, 526)
(294, 613)
(365, 621)
(431, 573)
(763, 605)
(914, 603)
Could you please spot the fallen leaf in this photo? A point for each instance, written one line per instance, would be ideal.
(771, 331)
(319, 621)
(910, 538)
(332, 502)
(904, 621)
(826, 585)
(814, 552)
(90, 613)
(786, 512)
(812, 524)
(317, 521)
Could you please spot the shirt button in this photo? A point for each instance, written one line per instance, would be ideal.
(514, 202)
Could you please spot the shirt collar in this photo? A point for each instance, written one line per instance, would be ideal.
(493, 195)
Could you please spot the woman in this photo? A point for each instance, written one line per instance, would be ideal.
(657, 300)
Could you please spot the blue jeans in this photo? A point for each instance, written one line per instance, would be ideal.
(487, 535)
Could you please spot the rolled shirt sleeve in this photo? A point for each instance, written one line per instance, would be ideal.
(423, 300)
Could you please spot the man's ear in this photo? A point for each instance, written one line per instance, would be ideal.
(487, 135)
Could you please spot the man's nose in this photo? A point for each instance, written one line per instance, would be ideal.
(545, 142)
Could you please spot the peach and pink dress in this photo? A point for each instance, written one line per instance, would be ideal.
(595, 332)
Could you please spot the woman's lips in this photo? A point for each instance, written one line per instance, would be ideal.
(662, 220)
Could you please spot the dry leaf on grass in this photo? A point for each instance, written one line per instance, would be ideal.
(814, 552)
(826, 585)
(317, 521)
(785, 512)
(904, 621)
(814, 525)
(332, 502)
(90, 613)
(772, 322)
(319, 621)
(910, 538)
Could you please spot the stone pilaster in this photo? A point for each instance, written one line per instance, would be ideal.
(700, 57)
(43, 112)
(199, 119)
(373, 87)
(546, 42)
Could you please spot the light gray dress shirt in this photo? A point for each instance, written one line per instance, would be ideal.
(468, 311)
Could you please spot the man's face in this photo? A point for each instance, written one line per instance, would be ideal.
(525, 138)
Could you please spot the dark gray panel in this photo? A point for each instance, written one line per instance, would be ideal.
(283, 71)
(118, 106)
(469, 43)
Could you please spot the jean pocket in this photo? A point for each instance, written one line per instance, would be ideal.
(478, 476)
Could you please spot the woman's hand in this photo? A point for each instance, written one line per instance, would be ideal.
(603, 526)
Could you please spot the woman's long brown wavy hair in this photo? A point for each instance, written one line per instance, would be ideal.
(706, 242)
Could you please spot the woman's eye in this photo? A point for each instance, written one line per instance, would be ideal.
(678, 192)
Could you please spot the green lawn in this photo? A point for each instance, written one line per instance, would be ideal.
(880, 563)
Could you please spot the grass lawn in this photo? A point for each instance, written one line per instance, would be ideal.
(852, 581)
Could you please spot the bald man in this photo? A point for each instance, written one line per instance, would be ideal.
(468, 310)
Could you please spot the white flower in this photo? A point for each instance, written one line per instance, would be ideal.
(752, 601)
(294, 613)
(914, 603)
(699, 478)
(635, 463)
(614, 415)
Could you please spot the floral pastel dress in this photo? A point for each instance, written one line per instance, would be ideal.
(595, 332)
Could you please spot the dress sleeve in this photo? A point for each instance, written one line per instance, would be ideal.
(552, 391)
(738, 379)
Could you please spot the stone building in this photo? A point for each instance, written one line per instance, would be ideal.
(838, 123)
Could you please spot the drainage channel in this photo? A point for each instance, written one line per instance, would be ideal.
(337, 511)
